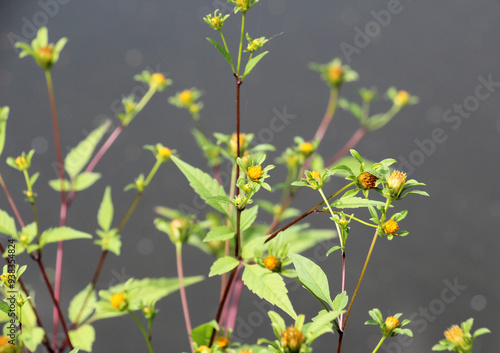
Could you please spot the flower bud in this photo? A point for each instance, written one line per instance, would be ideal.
(222, 342)
(22, 163)
(180, 227)
(366, 180)
(118, 301)
(157, 80)
(292, 339)
(402, 98)
(455, 335)
(306, 148)
(5, 345)
(244, 5)
(186, 97)
(255, 172)
(396, 181)
(272, 263)
(390, 324)
(336, 75)
(390, 227)
(45, 56)
(203, 349)
(163, 153)
(233, 144)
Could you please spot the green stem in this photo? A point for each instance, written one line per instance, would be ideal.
(152, 172)
(144, 333)
(379, 343)
(243, 15)
(139, 106)
(225, 46)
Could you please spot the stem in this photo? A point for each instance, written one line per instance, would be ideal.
(141, 327)
(243, 15)
(182, 290)
(380, 343)
(330, 111)
(11, 202)
(331, 212)
(227, 49)
(353, 141)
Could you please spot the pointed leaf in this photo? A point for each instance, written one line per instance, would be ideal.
(313, 277)
(340, 301)
(222, 50)
(252, 62)
(79, 156)
(219, 233)
(201, 334)
(4, 114)
(203, 184)
(7, 224)
(32, 336)
(248, 216)
(105, 213)
(223, 265)
(269, 286)
(77, 302)
(85, 180)
(54, 235)
(83, 337)
(355, 202)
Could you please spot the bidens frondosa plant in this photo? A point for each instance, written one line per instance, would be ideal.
(247, 251)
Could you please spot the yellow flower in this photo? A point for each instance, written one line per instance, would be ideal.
(254, 172)
(367, 180)
(118, 301)
(455, 335)
(272, 263)
(222, 342)
(22, 163)
(157, 80)
(336, 75)
(164, 153)
(233, 143)
(390, 227)
(396, 181)
(391, 323)
(401, 99)
(203, 349)
(243, 4)
(292, 338)
(186, 97)
(306, 148)
(5, 345)
(45, 55)
(315, 175)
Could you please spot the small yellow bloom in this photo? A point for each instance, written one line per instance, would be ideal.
(254, 173)
(4, 344)
(22, 162)
(390, 227)
(186, 97)
(315, 175)
(401, 99)
(164, 153)
(292, 338)
(45, 55)
(23, 238)
(455, 335)
(157, 80)
(391, 323)
(244, 4)
(203, 349)
(272, 263)
(118, 301)
(222, 342)
(396, 181)
(336, 75)
(306, 148)
(216, 22)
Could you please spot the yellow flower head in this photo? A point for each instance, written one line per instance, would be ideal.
(22, 163)
(45, 55)
(4, 343)
(203, 349)
(336, 75)
(272, 263)
(455, 335)
(292, 338)
(222, 342)
(396, 181)
(243, 4)
(390, 227)
(401, 99)
(391, 323)
(164, 153)
(186, 97)
(157, 80)
(118, 301)
(306, 148)
(255, 172)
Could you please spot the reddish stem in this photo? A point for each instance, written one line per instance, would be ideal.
(11, 202)
(353, 141)
(182, 289)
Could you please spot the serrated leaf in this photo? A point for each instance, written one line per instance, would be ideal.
(268, 286)
(248, 216)
(313, 277)
(106, 210)
(76, 304)
(203, 184)
(340, 301)
(83, 337)
(252, 62)
(79, 156)
(248, 250)
(54, 235)
(223, 265)
(325, 318)
(85, 180)
(32, 336)
(223, 51)
(7, 224)
(355, 202)
(201, 334)
(219, 233)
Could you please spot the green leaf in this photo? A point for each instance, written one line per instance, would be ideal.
(85, 180)
(301, 238)
(219, 233)
(248, 250)
(201, 334)
(32, 336)
(105, 213)
(222, 50)
(277, 323)
(269, 286)
(355, 202)
(79, 156)
(223, 265)
(322, 323)
(353, 107)
(75, 350)
(76, 304)
(252, 62)
(4, 115)
(4, 307)
(7, 224)
(203, 184)
(248, 216)
(54, 235)
(481, 331)
(313, 277)
(340, 301)
(376, 315)
(56, 184)
(83, 337)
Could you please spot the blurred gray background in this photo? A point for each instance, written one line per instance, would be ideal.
(440, 51)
